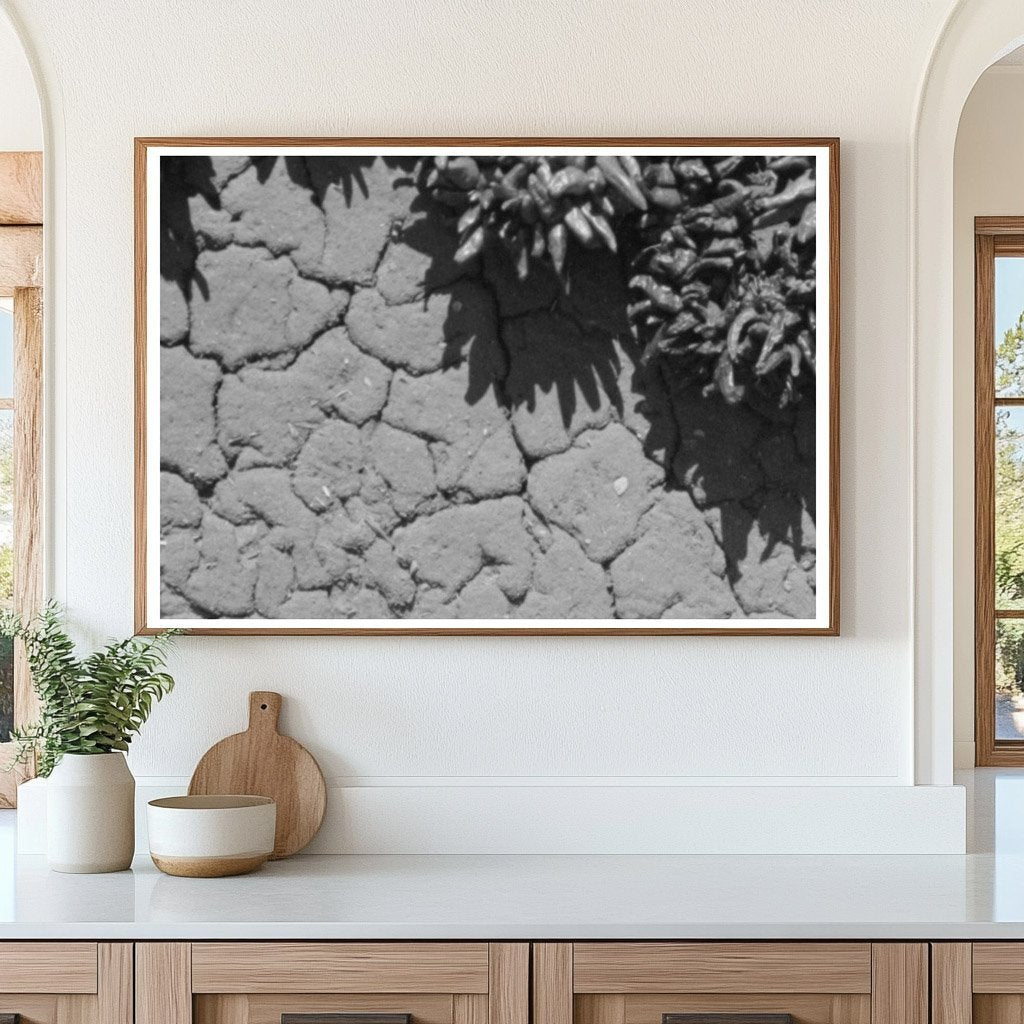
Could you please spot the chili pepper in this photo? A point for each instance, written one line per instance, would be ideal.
(666, 198)
(631, 165)
(471, 246)
(558, 244)
(541, 197)
(469, 218)
(620, 180)
(662, 296)
(569, 181)
(578, 224)
(602, 227)
(539, 245)
(807, 227)
(659, 175)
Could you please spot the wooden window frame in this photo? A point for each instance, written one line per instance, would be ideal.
(993, 237)
(21, 278)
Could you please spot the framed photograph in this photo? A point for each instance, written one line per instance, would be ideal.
(487, 386)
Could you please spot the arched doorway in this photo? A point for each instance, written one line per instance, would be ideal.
(21, 252)
(976, 34)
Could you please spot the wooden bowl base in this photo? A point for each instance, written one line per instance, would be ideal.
(209, 867)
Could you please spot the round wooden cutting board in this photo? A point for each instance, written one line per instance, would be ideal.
(262, 762)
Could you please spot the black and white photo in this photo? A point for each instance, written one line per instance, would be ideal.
(459, 387)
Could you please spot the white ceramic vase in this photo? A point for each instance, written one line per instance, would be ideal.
(90, 814)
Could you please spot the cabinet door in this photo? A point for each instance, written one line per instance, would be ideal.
(730, 983)
(332, 983)
(981, 982)
(65, 983)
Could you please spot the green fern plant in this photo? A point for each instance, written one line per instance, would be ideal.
(90, 705)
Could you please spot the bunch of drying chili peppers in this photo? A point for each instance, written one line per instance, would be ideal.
(721, 253)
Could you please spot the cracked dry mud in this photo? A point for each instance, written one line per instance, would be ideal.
(353, 426)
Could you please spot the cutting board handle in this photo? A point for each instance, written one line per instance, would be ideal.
(264, 710)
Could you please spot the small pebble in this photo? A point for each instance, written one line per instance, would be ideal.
(620, 485)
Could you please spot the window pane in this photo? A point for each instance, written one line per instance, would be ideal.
(6, 567)
(1009, 324)
(6, 349)
(1009, 508)
(1009, 679)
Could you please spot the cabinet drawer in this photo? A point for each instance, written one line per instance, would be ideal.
(66, 982)
(748, 967)
(332, 983)
(730, 983)
(340, 967)
(65, 967)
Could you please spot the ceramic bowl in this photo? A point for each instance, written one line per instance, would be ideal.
(211, 836)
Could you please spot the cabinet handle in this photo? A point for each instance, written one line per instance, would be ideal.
(727, 1018)
(335, 1018)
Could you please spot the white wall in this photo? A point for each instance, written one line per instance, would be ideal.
(693, 711)
(987, 181)
(21, 126)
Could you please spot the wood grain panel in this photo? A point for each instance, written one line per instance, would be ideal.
(64, 967)
(552, 983)
(163, 983)
(1010, 245)
(508, 992)
(339, 967)
(227, 1009)
(469, 1009)
(805, 1008)
(605, 1009)
(851, 1009)
(21, 259)
(998, 967)
(76, 1009)
(115, 1003)
(139, 412)
(984, 502)
(32, 1009)
(633, 967)
(998, 225)
(899, 983)
(21, 188)
(267, 1009)
(998, 1009)
(951, 983)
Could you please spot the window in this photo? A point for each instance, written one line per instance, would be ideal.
(6, 510)
(999, 490)
(21, 365)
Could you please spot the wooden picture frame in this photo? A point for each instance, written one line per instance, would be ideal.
(824, 154)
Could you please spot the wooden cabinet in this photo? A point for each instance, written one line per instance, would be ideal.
(66, 982)
(749, 982)
(307, 982)
(978, 983)
(494, 983)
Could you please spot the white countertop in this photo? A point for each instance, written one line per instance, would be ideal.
(496, 897)
(980, 895)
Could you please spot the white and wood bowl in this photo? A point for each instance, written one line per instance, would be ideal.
(211, 836)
